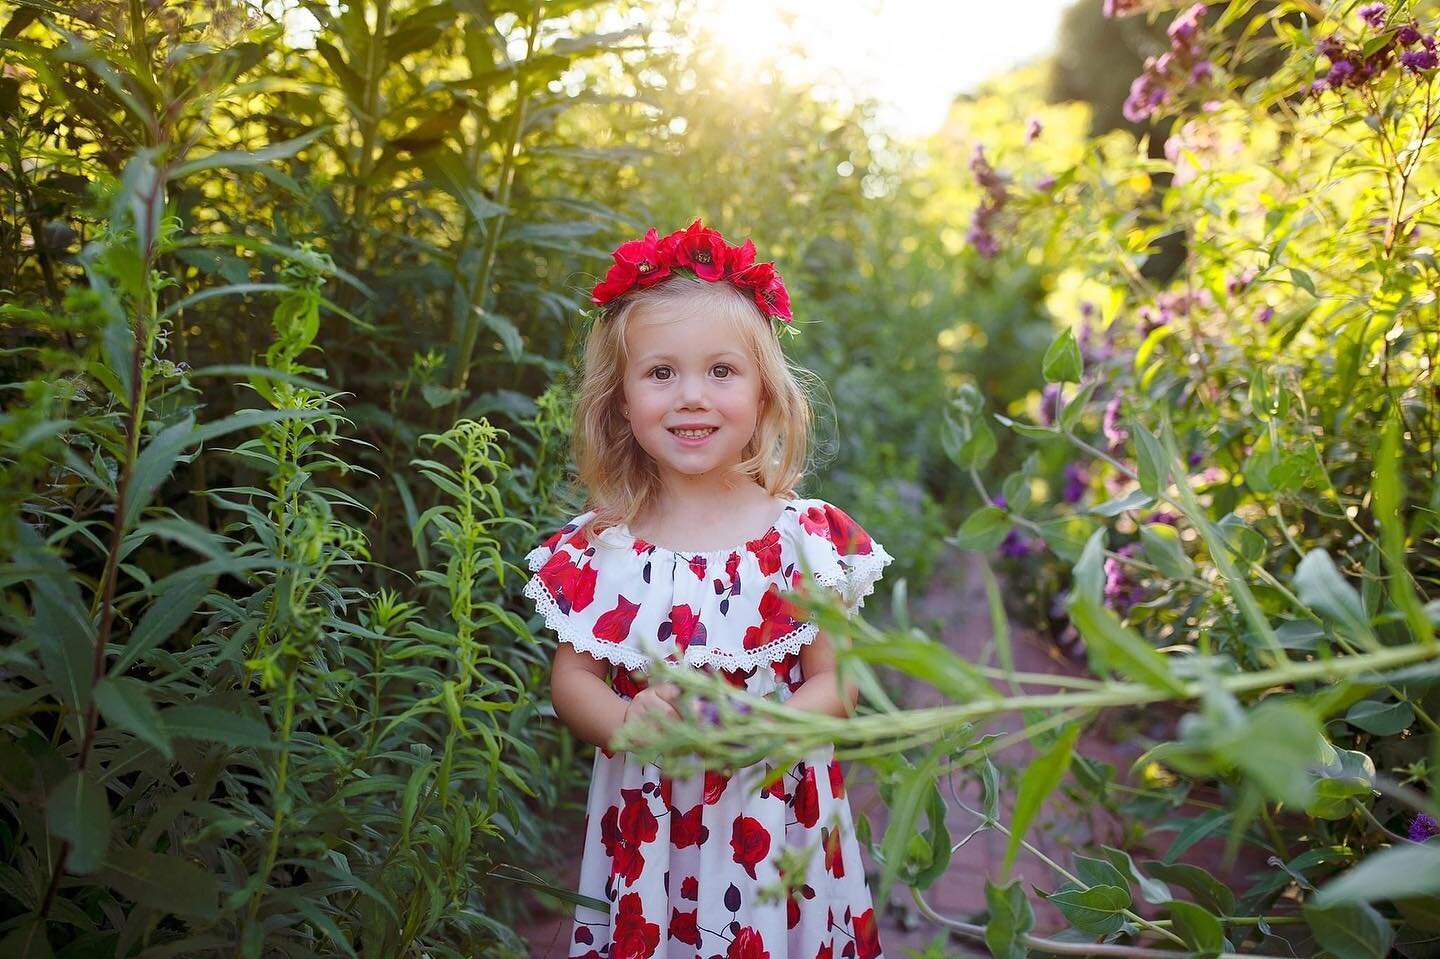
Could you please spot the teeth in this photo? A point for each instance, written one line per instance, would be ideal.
(693, 434)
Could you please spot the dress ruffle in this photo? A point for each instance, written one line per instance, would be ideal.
(632, 602)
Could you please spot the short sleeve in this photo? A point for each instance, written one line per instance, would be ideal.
(840, 554)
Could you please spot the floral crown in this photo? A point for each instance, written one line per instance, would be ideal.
(700, 252)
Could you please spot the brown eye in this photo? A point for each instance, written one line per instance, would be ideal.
(722, 366)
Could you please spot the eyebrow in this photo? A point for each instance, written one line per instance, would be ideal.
(714, 356)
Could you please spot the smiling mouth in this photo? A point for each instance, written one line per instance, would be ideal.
(694, 434)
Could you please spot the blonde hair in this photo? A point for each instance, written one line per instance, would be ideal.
(620, 478)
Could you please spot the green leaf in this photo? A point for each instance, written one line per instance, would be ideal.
(1100, 872)
(1200, 929)
(1010, 918)
(1321, 587)
(1062, 362)
(1389, 508)
(124, 703)
(1350, 930)
(1114, 645)
(915, 786)
(167, 884)
(965, 435)
(983, 530)
(1040, 779)
(119, 356)
(61, 627)
(1089, 571)
(28, 939)
(169, 612)
(207, 723)
(1163, 550)
(1152, 463)
(1135, 499)
(240, 159)
(78, 812)
(1151, 890)
(1098, 910)
(1403, 871)
(1208, 892)
(1380, 719)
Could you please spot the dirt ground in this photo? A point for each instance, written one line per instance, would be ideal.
(955, 605)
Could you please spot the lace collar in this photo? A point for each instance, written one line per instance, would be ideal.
(629, 601)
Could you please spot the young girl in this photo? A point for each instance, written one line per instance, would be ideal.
(690, 431)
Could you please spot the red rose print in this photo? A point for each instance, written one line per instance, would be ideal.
(683, 621)
(697, 566)
(807, 799)
(867, 936)
(747, 944)
(837, 780)
(732, 567)
(614, 626)
(750, 841)
(685, 927)
(777, 618)
(834, 860)
(690, 888)
(826, 951)
(767, 551)
(583, 934)
(836, 525)
(776, 790)
(572, 586)
(715, 784)
(633, 938)
(665, 786)
(687, 829)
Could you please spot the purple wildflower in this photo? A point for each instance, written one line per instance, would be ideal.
(1417, 60)
(1266, 314)
(1015, 546)
(1373, 14)
(1424, 827)
(1163, 517)
(1340, 71)
(1033, 131)
(1407, 35)
(1049, 403)
(1201, 72)
(1077, 481)
(1184, 27)
(1110, 425)
(1146, 96)
(1121, 8)
(1238, 283)
(1121, 591)
(1045, 182)
(980, 235)
(1319, 86)
(1195, 458)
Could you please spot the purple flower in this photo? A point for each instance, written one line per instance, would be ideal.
(1184, 27)
(1077, 481)
(1424, 827)
(1032, 132)
(1164, 517)
(1417, 60)
(1015, 546)
(1319, 86)
(1110, 425)
(1194, 459)
(1045, 182)
(1146, 96)
(1049, 403)
(1266, 314)
(1121, 591)
(1201, 72)
(1238, 283)
(1407, 35)
(1340, 71)
(1121, 8)
(1373, 14)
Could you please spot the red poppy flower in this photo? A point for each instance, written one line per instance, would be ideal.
(686, 829)
(715, 784)
(807, 799)
(747, 944)
(633, 937)
(767, 287)
(739, 258)
(834, 860)
(766, 550)
(699, 249)
(867, 936)
(685, 927)
(646, 256)
(614, 626)
(750, 842)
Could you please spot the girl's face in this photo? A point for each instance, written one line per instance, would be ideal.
(691, 372)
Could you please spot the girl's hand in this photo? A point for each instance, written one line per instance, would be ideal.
(652, 707)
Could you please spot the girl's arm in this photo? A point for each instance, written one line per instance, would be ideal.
(821, 691)
(583, 700)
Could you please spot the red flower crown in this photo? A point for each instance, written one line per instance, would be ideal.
(698, 250)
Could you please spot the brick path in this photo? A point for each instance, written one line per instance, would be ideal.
(954, 609)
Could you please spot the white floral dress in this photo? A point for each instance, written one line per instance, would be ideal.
(682, 860)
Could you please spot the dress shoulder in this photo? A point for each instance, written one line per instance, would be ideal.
(631, 602)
